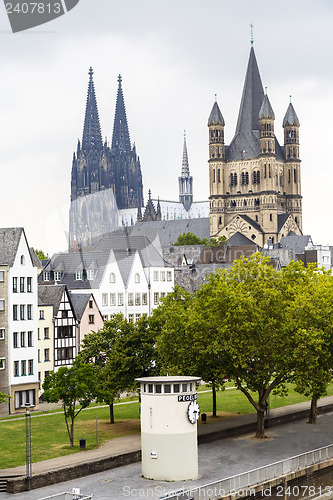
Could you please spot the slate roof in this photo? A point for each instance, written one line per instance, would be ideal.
(79, 301)
(50, 295)
(245, 143)
(252, 222)
(215, 116)
(282, 219)
(296, 243)
(266, 110)
(238, 240)
(34, 257)
(290, 117)
(168, 230)
(9, 241)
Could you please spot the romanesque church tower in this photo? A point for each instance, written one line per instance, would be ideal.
(103, 179)
(255, 184)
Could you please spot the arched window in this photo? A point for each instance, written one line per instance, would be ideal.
(245, 178)
(112, 278)
(22, 260)
(219, 175)
(137, 278)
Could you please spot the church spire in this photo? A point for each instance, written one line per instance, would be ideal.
(185, 181)
(92, 137)
(120, 137)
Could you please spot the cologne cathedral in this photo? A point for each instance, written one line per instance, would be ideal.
(255, 183)
(104, 179)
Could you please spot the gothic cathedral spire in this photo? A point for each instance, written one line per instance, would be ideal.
(120, 137)
(92, 137)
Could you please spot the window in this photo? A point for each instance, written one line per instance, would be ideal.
(29, 311)
(137, 316)
(245, 178)
(184, 387)
(65, 353)
(15, 339)
(112, 299)
(295, 175)
(2, 304)
(46, 374)
(16, 369)
(90, 274)
(39, 357)
(104, 299)
(162, 275)
(120, 299)
(15, 312)
(162, 295)
(233, 179)
(131, 318)
(22, 285)
(138, 299)
(57, 275)
(156, 297)
(176, 388)
(130, 299)
(30, 366)
(65, 331)
(23, 367)
(137, 278)
(112, 278)
(64, 313)
(105, 317)
(14, 285)
(22, 260)
(219, 175)
(155, 275)
(30, 339)
(38, 334)
(144, 299)
(46, 275)
(91, 319)
(91, 304)
(270, 217)
(41, 314)
(78, 275)
(46, 332)
(46, 354)
(169, 276)
(158, 388)
(2, 363)
(29, 285)
(22, 339)
(167, 388)
(150, 388)
(2, 276)
(22, 312)
(2, 333)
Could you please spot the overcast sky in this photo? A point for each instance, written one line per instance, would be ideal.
(173, 55)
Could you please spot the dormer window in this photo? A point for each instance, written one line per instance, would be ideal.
(78, 275)
(57, 275)
(46, 276)
(90, 274)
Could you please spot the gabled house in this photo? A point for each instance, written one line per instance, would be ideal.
(65, 323)
(87, 313)
(18, 321)
(126, 275)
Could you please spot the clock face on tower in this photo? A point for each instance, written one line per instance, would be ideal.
(193, 412)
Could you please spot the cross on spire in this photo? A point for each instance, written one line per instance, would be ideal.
(251, 25)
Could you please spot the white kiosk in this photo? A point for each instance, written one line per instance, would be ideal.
(169, 415)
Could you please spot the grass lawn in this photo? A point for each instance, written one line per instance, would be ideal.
(49, 433)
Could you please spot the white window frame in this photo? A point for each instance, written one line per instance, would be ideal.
(120, 299)
(90, 274)
(144, 299)
(57, 275)
(2, 276)
(155, 275)
(2, 363)
(156, 298)
(46, 276)
(169, 276)
(105, 299)
(112, 299)
(78, 275)
(162, 276)
(138, 299)
(2, 333)
(112, 278)
(2, 304)
(130, 299)
(137, 278)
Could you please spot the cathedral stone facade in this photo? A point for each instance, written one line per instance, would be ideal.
(104, 179)
(255, 184)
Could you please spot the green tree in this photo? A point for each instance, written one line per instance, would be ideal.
(193, 239)
(41, 255)
(120, 352)
(74, 385)
(312, 313)
(4, 398)
(181, 350)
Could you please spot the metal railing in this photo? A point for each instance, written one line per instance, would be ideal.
(241, 483)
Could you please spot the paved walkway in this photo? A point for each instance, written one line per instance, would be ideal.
(219, 459)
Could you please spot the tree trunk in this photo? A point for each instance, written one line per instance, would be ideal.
(111, 413)
(214, 400)
(260, 433)
(313, 411)
(71, 436)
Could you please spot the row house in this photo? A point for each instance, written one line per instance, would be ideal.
(58, 329)
(125, 274)
(18, 320)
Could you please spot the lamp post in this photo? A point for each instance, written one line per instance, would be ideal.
(28, 468)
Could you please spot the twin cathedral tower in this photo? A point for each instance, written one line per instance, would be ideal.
(255, 183)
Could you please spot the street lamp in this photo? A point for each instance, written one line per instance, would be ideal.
(28, 468)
